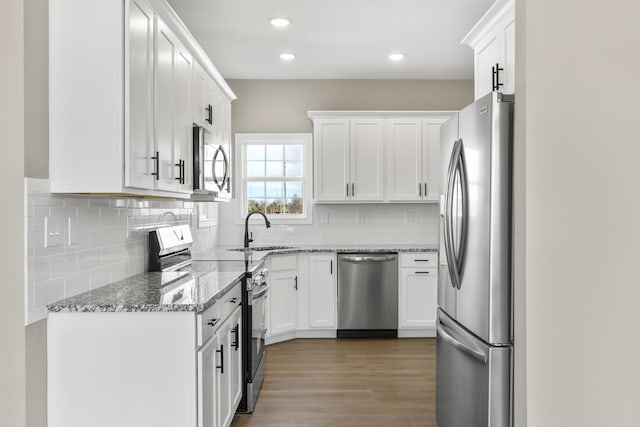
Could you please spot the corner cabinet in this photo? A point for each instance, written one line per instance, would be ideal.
(493, 42)
(376, 156)
(131, 132)
(417, 295)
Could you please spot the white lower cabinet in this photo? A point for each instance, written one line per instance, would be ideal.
(145, 369)
(417, 294)
(322, 291)
(283, 295)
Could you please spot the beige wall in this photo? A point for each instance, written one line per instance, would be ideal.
(582, 207)
(12, 330)
(281, 105)
(36, 90)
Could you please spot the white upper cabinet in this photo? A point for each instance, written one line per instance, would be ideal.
(381, 156)
(131, 132)
(493, 42)
(366, 160)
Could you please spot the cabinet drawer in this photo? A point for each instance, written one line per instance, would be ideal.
(211, 319)
(284, 262)
(419, 259)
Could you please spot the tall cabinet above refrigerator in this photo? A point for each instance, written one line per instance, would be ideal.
(474, 329)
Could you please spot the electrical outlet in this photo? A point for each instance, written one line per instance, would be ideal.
(324, 217)
(360, 218)
(408, 217)
(53, 232)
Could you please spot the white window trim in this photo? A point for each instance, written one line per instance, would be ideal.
(241, 139)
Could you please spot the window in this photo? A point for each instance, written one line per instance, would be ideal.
(275, 171)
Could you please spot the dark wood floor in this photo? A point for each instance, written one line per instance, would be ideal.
(347, 382)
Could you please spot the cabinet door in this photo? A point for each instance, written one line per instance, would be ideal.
(431, 158)
(197, 97)
(322, 291)
(418, 298)
(224, 373)
(209, 98)
(405, 154)
(207, 384)
(367, 177)
(139, 143)
(235, 337)
(509, 54)
(487, 54)
(283, 301)
(166, 50)
(183, 141)
(331, 158)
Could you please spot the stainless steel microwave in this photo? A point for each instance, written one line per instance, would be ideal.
(211, 167)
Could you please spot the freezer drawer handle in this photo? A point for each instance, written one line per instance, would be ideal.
(479, 356)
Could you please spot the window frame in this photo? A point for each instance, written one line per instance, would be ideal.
(304, 139)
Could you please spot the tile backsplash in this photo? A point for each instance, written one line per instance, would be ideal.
(77, 243)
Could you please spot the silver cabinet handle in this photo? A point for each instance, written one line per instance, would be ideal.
(421, 272)
(347, 189)
(353, 189)
(419, 190)
(425, 189)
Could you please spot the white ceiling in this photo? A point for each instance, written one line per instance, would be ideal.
(335, 39)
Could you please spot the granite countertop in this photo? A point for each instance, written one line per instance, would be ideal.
(227, 252)
(157, 292)
(213, 274)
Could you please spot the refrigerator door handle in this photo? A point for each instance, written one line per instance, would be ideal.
(476, 354)
(456, 169)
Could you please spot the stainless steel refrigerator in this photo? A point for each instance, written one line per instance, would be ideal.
(474, 329)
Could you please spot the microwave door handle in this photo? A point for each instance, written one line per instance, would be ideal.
(218, 183)
(225, 179)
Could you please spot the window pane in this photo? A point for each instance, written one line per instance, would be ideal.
(275, 189)
(293, 152)
(294, 189)
(293, 169)
(255, 190)
(294, 205)
(274, 169)
(275, 152)
(255, 169)
(255, 205)
(255, 152)
(275, 206)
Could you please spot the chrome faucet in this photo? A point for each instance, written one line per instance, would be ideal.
(247, 240)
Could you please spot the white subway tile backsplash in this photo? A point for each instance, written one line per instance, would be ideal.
(94, 241)
(89, 259)
(41, 269)
(48, 292)
(64, 265)
(109, 217)
(77, 284)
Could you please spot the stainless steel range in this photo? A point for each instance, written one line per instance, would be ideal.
(170, 252)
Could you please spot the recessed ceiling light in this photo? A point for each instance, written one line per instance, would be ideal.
(397, 56)
(287, 56)
(280, 22)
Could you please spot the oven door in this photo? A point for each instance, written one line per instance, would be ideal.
(258, 326)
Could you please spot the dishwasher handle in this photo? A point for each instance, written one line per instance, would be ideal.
(368, 258)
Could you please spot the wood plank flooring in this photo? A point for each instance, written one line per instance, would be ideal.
(347, 382)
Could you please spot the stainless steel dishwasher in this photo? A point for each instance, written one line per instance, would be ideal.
(368, 295)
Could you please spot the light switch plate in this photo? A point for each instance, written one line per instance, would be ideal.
(408, 217)
(324, 217)
(53, 232)
(360, 218)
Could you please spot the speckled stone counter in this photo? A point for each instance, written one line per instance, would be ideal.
(228, 252)
(151, 292)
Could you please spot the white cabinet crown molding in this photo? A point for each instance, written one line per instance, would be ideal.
(491, 17)
(342, 114)
(171, 18)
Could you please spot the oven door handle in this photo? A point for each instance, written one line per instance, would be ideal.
(260, 293)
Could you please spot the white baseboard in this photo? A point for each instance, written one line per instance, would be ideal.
(417, 333)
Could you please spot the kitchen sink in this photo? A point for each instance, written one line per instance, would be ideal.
(263, 248)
